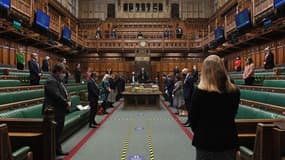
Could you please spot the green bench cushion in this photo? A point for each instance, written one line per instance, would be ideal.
(34, 111)
(26, 74)
(10, 97)
(10, 83)
(264, 97)
(274, 83)
(75, 100)
(239, 81)
(246, 112)
(16, 113)
(16, 96)
(261, 74)
(77, 88)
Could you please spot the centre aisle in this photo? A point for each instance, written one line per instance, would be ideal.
(137, 135)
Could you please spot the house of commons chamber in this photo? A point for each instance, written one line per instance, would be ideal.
(142, 79)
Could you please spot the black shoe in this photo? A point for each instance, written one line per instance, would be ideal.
(62, 153)
(96, 124)
(186, 123)
(176, 113)
(92, 126)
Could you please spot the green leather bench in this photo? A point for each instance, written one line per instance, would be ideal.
(274, 83)
(262, 74)
(72, 118)
(264, 97)
(246, 112)
(16, 96)
(10, 83)
(26, 74)
(239, 81)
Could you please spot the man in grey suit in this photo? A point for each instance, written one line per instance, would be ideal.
(56, 96)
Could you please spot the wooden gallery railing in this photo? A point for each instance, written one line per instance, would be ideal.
(23, 6)
(54, 21)
(230, 24)
(157, 44)
(261, 8)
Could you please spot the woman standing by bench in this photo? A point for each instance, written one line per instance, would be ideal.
(248, 74)
(214, 105)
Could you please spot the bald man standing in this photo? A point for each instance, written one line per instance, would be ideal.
(35, 70)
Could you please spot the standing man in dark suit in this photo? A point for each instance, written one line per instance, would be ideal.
(45, 65)
(35, 70)
(169, 86)
(93, 96)
(133, 78)
(120, 85)
(56, 96)
(176, 71)
(194, 74)
(77, 73)
(268, 59)
(188, 87)
(142, 77)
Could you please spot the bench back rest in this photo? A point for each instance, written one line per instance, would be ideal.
(16, 96)
(264, 97)
(274, 83)
(246, 112)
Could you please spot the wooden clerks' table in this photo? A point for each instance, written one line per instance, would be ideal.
(142, 100)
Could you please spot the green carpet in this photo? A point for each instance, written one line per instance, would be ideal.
(135, 135)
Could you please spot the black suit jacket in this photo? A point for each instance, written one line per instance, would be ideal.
(175, 71)
(120, 84)
(55, 96)
(188, 87)
(269, 61)
(194, 75)
(34, 69)
(45, 66)
(142, 77)
(169, 85)
(93, 90)
(77, 75)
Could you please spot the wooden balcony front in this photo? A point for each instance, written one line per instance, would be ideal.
(230, 27)
(261, 8)
(54, 21)
(230, 24)
(157, 45)
(23, 7)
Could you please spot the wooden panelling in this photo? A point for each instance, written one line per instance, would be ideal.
(12, 57)
(5, 56)
(258, 54)
(165, 66)
(279, 55)
(1, 54)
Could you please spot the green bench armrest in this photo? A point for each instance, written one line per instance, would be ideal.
(21, 153)
(245, 151)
